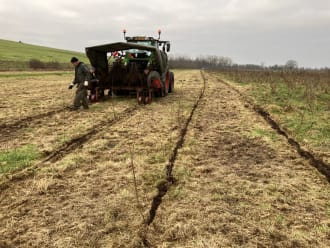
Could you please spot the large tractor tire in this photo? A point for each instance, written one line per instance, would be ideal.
(154, 81)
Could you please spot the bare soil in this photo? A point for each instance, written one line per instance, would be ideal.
(232, 187)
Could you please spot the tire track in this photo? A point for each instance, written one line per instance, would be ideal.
(77, 142)
(318, 163)
(69, 146)
(8, 129)
(164, 186)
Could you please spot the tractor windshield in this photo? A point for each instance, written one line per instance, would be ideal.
(144, 42)
(139, 53)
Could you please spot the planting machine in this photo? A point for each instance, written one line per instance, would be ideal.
(138, 66)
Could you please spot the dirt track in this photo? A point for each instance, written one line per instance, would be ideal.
(233, 187)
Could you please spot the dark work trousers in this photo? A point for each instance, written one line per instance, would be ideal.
(81, 98)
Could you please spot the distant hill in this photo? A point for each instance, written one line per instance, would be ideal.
(18, 55)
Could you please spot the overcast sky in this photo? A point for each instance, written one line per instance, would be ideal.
(247, 31)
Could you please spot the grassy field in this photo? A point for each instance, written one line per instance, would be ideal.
(16, 55)
(298, 100)
(237, 182)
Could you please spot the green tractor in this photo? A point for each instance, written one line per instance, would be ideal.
(139, 65)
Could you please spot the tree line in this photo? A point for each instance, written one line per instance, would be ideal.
(224, 63)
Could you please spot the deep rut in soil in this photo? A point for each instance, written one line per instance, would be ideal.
(318, 163)
(164, 186)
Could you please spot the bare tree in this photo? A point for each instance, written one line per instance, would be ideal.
(291, 64)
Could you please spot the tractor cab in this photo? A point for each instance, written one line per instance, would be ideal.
(149, 41)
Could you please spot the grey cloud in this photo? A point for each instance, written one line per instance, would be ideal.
(270, 31)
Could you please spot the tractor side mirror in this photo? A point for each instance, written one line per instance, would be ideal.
(168, 47)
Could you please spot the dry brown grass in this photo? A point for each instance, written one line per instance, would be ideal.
(240, 189)
(236, 184)
(38, 95)
(25, 96)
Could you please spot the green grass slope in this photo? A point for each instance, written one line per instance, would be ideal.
(19, 56)
(16, 51)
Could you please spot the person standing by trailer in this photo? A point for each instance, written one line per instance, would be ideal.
(81, 77)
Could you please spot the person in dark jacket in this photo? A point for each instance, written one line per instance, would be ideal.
(81, 77)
